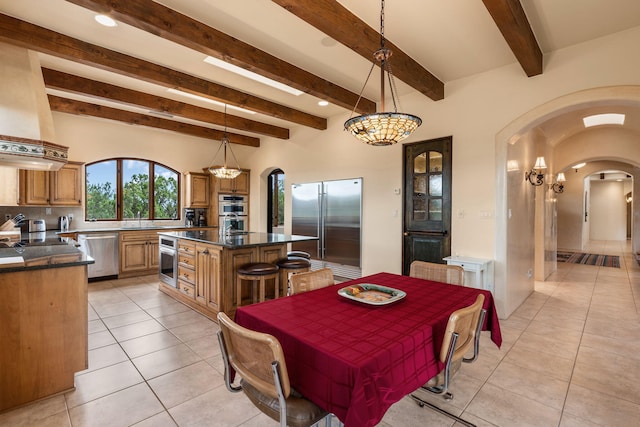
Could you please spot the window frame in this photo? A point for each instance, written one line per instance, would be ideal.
(119, 183)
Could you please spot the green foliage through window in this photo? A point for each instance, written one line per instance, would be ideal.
(139, 195)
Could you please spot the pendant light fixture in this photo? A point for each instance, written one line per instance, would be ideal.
(384, 128)
(224, 172)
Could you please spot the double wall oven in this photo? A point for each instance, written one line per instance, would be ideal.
(168, 253)
(233, 211)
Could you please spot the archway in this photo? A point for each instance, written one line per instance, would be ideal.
(518, 207)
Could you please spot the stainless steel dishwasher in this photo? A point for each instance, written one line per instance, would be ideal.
(103, 248)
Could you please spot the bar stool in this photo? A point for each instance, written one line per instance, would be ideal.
(291, 265)
(298, 254)
(256, 272)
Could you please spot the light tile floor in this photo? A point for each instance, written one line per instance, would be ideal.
(570, 357)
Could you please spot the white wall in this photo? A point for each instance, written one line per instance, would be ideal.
(483, 113)
(608, 210)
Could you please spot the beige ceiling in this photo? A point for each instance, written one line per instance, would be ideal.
(451, 39)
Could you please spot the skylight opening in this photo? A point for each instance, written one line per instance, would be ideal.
(210, 101)
(604, 119)
(105, 20)
(251, 75)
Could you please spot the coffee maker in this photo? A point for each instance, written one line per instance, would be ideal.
(189, 217)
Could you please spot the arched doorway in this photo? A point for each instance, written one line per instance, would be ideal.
(522, 211)
(275, 201)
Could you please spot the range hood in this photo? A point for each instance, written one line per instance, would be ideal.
(26, 124)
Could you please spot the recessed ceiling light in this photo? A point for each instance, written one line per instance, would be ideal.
(105, 20)
(603, 119)
(251, 75)
(210, 101)
(323, 103)
(578, 166)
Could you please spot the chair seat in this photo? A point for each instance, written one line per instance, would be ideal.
(293, 263)
(258, 269)
(300, 411)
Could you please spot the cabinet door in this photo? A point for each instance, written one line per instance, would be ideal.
(34, 187)
(134, 256)
(66, 186)
(9, 195)
(238, 185)
(153, 254)
(197, 190)
(214, 299)
(202, 273)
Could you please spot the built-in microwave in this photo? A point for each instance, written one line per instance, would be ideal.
(232, 204)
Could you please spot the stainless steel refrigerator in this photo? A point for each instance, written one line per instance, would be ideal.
(331, 210)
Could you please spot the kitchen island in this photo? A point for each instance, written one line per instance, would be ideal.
(43, 313)
(206, 265)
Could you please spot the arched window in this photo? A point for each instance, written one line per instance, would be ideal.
(122, 188)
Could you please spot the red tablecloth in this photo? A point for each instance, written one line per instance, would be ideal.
(355, 360)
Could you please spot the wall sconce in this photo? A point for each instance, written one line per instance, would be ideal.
(535, 176)
(558, 186)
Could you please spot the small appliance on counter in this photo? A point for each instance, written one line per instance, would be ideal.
(63, 223)
(37, 225)
(189, 217)
(202, 219)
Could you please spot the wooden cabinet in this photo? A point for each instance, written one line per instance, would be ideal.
(187, 268)
(43, 313)
(197, 190)
(66, 186)
(47, 188)
(238, 185)
(208, 284)
(138, 253)
(9, 188)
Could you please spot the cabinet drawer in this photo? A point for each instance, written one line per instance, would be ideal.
(186, 260)
(186, 288)
(186, 274)
(186, 247)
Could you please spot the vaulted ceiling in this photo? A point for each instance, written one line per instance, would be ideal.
(320, 47)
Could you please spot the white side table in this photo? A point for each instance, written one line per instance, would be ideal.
(480, 271)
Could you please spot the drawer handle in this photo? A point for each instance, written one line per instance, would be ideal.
(206, 252)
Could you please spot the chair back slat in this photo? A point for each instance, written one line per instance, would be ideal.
(452, 274)
(315, 279)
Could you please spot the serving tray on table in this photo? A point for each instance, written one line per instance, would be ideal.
(368, 293)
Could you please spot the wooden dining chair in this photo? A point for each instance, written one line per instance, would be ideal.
(315, 279)
(452, 274)
(258, 359)
(461, 336)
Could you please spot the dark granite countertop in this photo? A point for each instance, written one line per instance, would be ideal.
(133, 228)
(39, 251)
(238, 239)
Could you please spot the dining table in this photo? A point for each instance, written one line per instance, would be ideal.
(355, 359)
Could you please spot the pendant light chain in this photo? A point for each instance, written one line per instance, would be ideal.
(224, 172)
(382, 128)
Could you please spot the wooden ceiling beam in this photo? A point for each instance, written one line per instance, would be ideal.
(80, 85)
(169, 24)
(80, 108)
(512, 22)
(30, 36)
(333, 19)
